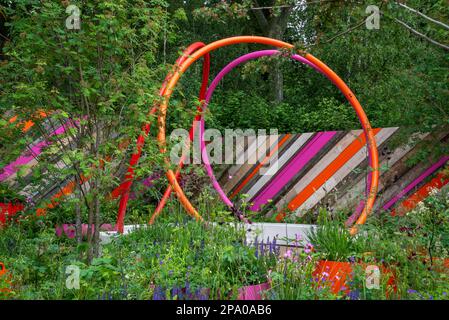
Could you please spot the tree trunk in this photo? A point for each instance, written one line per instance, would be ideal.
(277, 78)
(96, 242)
(97, 218)
(90, 221)
(274, 26)
(78, 221)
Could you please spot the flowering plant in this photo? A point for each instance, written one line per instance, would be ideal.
(292, 278)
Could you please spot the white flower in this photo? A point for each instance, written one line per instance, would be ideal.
(420, 206)
(434, 192)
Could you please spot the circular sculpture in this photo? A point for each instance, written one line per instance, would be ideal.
(373, 155)
(195, 52)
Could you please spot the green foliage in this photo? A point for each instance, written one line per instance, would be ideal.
(211, 256)
(8, 194)
(333, 240)
(413, 246)
(176, 253)
(166, 255)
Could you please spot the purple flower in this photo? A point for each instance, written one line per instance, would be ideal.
(177, 291)
(159, 294)
(148, 182)
(298, 239)
(202, 294)
(354, 295)
(276, 248)
(262, 248)
(308, 248)
(288, 254)
(187, 288)
(412, 291)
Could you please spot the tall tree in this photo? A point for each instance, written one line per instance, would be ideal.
(94, 79)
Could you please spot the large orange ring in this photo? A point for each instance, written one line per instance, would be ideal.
(373, 154)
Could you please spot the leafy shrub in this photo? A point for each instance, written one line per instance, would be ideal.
(333, 240)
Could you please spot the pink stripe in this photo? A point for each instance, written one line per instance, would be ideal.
(418, 180)
(27, 156)
(70, 229)
(292, 168)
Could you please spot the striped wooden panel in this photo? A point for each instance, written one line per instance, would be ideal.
(292, 168)
(439, 182)
(336, 178)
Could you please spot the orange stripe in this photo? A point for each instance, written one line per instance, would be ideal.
(330, 170)
(27, 125)
(13, 119)
(411, 202)
(256, 170)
